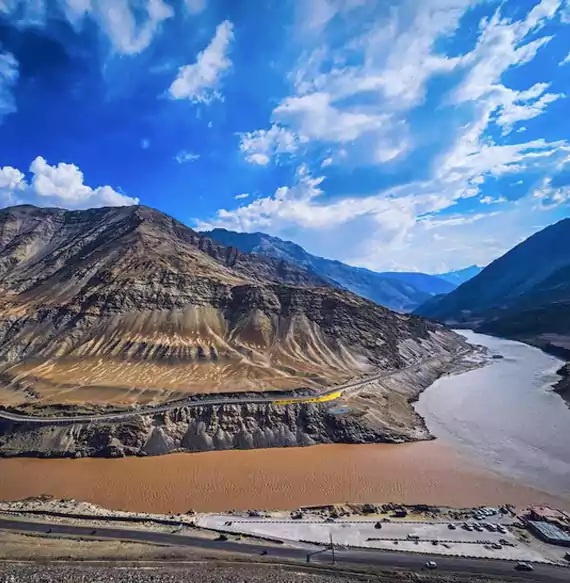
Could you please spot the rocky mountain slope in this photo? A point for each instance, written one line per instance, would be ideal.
(525, 294)
(398, 291)
(127, 305)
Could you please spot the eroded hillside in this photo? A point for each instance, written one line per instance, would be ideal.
(124, 305)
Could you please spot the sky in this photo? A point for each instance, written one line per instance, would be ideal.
(389, 134)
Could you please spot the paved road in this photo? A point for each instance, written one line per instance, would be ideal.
(374, 558)
(193, 402)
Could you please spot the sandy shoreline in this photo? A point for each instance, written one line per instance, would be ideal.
(423, 472)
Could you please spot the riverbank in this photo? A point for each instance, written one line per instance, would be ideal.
(562, 387)
(424, 472)
(377, 409)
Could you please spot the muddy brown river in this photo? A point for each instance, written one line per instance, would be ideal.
(427, 472)
(478, 459)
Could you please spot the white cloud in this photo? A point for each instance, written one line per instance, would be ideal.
(184, 157)
(145, 143)
(200, 81)
(360, 112)
(524, 105)
(260, 145)
(363, 106)
(260, 159)
(195, 6)
(490, 200)
(12, 183)
(8, 79)
(551, 196)
(565, 13)
(565, 60)
(504, 44)
(316, 118)
(130, 25)
(241, 196)
(60, 185)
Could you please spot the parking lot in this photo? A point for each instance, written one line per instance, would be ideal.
(424, 537)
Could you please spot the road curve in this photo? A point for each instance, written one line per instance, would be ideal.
(387, 559)
(327, 395)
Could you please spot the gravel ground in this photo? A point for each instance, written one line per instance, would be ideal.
(202, 573)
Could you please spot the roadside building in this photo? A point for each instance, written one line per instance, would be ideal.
(549, 533)
(552, 516)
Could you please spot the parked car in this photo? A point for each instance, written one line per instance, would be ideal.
(524, 567)
(451, 526)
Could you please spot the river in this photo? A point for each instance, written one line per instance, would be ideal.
(502, 437)
(505, 415)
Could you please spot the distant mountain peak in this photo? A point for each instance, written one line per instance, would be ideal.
(460, 276)
(396, 290)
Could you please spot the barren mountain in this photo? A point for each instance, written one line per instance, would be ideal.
(118, 305)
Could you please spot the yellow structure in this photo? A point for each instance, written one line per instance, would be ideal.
(322, 399)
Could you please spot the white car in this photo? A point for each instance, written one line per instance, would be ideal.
(431, 565)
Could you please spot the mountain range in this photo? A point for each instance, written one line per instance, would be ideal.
(123, 305)
(525, 294)
(400, 291)
(461, 275)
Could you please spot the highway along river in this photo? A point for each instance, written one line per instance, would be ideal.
(503, 437)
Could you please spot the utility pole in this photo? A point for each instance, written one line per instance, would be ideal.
(332, 548)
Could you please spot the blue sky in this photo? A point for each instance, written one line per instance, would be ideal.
(392, 134)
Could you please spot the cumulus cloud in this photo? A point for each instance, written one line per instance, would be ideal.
(361, 104)
(183, 157)
(413, 225)
(261, 145)
(60, 185)
(200, 81)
